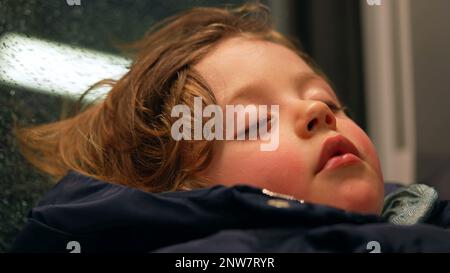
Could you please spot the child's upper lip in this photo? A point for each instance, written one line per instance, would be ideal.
(335, 145)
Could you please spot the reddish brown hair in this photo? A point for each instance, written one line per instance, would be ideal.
(125, 138)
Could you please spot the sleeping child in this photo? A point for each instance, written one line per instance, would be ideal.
(132, 177)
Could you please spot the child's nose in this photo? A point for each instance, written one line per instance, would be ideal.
(317, 116)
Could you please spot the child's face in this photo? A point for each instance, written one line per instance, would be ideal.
(274, 75)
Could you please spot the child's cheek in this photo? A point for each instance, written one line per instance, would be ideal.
(281, 170)
(366, 147)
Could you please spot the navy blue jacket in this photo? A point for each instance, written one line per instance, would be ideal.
(102, 217)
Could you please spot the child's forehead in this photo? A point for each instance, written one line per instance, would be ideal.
(229, 67)
(240, 53)
(243, 64)
(255, 90)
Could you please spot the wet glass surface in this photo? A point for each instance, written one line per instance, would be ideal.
(34, 36)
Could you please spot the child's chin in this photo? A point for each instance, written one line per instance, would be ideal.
(356, 194)
(362, 193)
(364, 198)
(364, 209)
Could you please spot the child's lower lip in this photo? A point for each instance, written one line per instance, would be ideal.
(341, 161)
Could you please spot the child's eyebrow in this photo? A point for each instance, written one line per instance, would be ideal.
(248, 90)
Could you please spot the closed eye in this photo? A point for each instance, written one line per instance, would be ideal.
(257, 126)
(336, 108)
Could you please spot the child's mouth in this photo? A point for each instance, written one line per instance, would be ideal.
(341, 160)
(337, 151)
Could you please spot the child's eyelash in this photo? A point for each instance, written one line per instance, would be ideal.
(336, 108)
(333, 107)
(264, 121)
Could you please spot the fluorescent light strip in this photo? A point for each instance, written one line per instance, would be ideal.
(55, 68)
